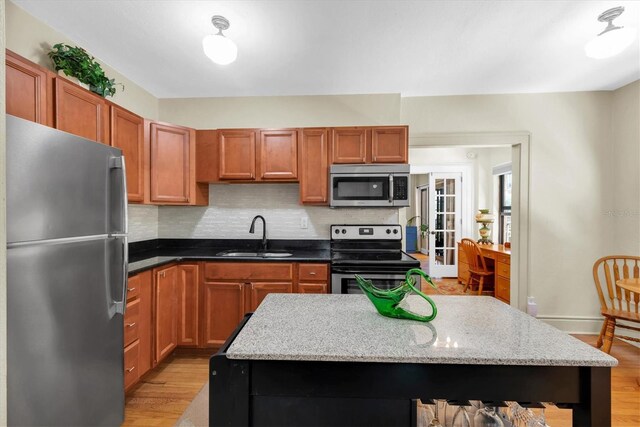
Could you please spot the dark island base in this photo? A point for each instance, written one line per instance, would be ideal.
(291, 393)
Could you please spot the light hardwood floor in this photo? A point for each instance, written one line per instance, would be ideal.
(164, 394)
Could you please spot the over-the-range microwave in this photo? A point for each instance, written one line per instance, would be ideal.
(383, 185)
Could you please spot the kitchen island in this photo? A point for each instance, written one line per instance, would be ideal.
(333, 360)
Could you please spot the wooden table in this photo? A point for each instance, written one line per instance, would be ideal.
(498, 259)
(632, 285)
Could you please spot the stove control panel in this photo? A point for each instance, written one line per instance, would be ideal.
(366, 232)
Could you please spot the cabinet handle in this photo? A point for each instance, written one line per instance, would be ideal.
(130, 369)
(312, 273)
(131, 289)
(131, 325)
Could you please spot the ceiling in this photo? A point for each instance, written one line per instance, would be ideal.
(326, 47)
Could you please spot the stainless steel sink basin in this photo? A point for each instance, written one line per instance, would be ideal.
(240, 254)
(255, 254)
(275, 254)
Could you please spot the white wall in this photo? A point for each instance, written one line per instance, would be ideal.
(570, 182)
(626, 170)
(3, 231)
(233, 206)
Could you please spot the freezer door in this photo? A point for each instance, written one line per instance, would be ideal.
(65, 334)
(60, 185)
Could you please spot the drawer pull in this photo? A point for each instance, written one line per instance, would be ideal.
(131, 289)
(312, 273)
(131, 369)
(131, 325)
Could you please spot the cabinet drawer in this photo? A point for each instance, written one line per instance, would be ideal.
(503, 290)
(133, 287)
(131, 365)
(488, 254)
(313, 271)
(503, 269)
(505, 259)
(248, 271)
(312, 288)
(131, 322)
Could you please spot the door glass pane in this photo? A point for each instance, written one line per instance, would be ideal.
(450, 239)
(439, 259)
(451, 222)
(440, 222)
(451, 204)
(439, 204)
(439, 239)
(451, 186)
(439, 186)
(450, 257)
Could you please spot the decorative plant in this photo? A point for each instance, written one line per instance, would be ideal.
(76, 62)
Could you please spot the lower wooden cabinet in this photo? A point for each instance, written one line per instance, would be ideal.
(313, 278)
(188, 313)
(166, 312)
(137, 328)
(259, 290)
(144, 284)
(131, 362)
(223, 308)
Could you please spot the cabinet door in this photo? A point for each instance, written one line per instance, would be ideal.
(312, 288)
(223, 309)
(144, 281)
(259, 290)
(349, 145)
(131, 365)
(166, 312)
(80, 112)
(170, 163)
(389, 145)
(26, 85)
(188, 304)
(237, 157)
(314, 166)
(278, 155)
(127, 134)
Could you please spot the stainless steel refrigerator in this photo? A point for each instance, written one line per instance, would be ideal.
(67, 271)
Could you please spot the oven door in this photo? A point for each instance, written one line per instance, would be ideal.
(343, 281)
(361, 190)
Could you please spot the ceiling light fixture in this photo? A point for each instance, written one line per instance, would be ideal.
(613, 39)
(217, 47)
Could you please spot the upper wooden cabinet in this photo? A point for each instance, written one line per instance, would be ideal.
(27, 96)
(127, 134)
(237, 154)
(278, 155)
(389, 144)
(80, 112)
(349, 145)
(255, 155)
(380, 144)
(172, 166)
(314, 166)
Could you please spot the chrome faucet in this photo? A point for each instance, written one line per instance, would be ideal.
(264, 230)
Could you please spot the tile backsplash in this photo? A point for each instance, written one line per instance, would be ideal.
(143, 222)
(233, 206)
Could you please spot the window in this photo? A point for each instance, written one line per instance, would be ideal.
(505, 208)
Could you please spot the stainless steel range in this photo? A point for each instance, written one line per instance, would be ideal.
(372, 251)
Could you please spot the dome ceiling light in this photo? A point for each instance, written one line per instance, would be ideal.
(613, 39)
(217, 47)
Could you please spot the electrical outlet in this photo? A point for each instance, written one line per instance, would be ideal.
(304, 222)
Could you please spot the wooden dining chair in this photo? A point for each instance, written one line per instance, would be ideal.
(617, 305)
(478, 271)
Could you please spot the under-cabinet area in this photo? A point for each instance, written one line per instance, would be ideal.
(199, 304)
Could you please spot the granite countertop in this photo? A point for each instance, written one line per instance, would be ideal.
(347, 328)
(147, 255)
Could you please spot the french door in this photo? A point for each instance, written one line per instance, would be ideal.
(444, 223)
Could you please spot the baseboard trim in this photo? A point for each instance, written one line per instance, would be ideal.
(574, 324)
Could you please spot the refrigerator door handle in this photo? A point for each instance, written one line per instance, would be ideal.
(122, 304)
(119, 163)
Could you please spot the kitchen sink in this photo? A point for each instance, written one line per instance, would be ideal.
(255, 254)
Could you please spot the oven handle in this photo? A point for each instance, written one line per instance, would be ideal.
(363, 271)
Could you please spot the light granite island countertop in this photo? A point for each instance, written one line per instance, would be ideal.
(332, 360)
(347, 328)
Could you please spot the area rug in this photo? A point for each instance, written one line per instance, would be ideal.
(197, 413)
